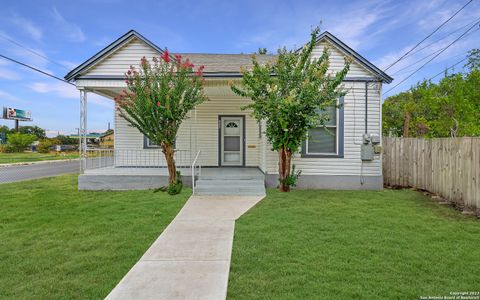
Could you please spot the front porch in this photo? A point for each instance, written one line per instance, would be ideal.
(208, 181)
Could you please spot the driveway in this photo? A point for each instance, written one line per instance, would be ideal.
(191, 258)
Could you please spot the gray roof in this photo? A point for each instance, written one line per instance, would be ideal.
(224, 63)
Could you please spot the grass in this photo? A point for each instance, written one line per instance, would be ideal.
(391, 244)
(60, 243)
(8, 158)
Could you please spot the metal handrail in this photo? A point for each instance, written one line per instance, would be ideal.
(193, 170)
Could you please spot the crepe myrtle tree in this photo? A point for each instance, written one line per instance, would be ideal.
(289, 94)
(158, 97)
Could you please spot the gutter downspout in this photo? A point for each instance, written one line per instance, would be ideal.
(366, 107)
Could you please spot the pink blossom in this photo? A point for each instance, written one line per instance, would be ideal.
(166, 56)
(178, 58)
(200, 70)
(158, 103)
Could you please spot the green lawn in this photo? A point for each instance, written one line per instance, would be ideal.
(8, 158)
(387, 244)
(60, 243)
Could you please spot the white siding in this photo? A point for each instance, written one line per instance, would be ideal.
(119, 61)
(354, 127)
(337, 61)
(202, 132)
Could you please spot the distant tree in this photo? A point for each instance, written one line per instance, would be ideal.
(449, 108)
(262, 51)
(35, 130)
(66, 140)
(473, 61)
(4, 129)
(18, 142)
(45, 145)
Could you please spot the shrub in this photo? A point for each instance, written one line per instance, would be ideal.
(18, 142)
(292, 179)
(176, 187)
(45, 145)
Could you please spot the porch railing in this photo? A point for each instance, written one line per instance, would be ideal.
(145, 158)
(193, 167)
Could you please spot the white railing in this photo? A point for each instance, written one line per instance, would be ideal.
(193, 167)
(143, 158)
(99, 158)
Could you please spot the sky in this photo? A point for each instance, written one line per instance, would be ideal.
(66, 33)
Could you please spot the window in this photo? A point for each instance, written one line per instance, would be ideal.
(328, 140)
(148, 144)
(323, 140)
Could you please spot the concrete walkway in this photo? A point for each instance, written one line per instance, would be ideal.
(191, 258)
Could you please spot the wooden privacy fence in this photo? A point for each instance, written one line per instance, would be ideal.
(449, 167)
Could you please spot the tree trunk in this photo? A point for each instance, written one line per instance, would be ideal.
(284, 162)
(406, 123)
(169, 152)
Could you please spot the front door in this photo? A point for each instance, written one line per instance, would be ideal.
(231, 141)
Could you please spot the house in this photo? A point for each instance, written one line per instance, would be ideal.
(92, 138)
(107, 139)
(221, 138)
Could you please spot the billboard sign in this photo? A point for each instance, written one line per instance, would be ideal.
(16, 114)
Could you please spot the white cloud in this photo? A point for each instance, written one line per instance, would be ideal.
(28, 27)
(6, 72)
(69, 64)
(11, 98)
(32, 59)
(64, 90)
(72, 31)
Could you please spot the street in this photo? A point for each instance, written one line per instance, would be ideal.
(32, 171)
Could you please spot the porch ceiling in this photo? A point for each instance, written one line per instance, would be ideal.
(112, 88)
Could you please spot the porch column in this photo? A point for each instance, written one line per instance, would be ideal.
(82, 138)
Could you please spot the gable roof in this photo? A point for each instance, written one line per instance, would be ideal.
(360, 59)
(124, 39)
(220, 65)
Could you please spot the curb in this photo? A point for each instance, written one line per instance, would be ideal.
(38, 162)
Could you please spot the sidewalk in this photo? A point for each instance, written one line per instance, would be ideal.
(191, 258)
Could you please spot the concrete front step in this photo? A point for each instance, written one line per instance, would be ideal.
(229, 192)
(231, 183)
(233, 177)
(230, 187)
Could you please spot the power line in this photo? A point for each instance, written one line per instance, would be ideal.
(452, 66)
(32, 51)
(442, 38)
(35, 69)
(421, 67)
(433, 53)
(418, 44)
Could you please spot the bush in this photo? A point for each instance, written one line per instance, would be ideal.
(18, 142)
(176, 187)
(45, 145)
(292, 179)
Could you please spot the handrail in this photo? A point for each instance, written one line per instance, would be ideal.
(193, 170)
